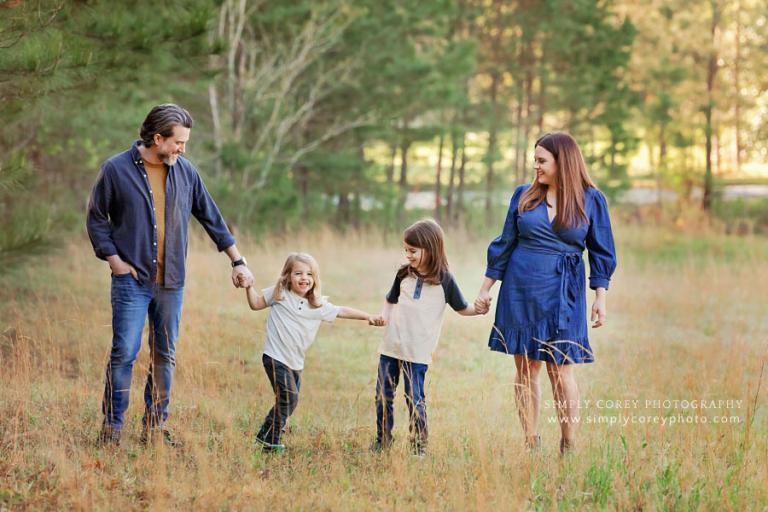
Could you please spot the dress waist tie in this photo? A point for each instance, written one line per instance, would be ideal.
(568, 264)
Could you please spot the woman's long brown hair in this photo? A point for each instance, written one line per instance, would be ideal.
(571, 179)
(427, 235)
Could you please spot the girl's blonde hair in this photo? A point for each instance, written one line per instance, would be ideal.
(314, 297)
(428, 236)
(571, 177)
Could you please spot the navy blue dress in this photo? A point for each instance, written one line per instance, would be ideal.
(542, 305)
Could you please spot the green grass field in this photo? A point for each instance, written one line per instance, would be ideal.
(686, 321)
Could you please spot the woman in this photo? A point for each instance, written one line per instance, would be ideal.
(541, 315)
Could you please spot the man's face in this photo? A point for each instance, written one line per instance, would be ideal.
(170, 148)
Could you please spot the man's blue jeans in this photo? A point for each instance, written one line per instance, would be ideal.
(131, 304)
(386, 385)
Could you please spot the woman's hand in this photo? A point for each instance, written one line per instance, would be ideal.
(598, 308)
(483, 302)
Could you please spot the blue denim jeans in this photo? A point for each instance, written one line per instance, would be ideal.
(131, 305)
(386, 385)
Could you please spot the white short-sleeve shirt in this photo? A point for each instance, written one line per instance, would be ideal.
(292, 326)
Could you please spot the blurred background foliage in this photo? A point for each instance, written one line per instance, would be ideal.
(362, 113)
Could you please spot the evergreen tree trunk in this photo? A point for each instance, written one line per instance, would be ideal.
(438, 172)
(462, 170)
(709, 108)
(391, 168)
(737, 86)
(449, 207)
(542, 103)
(518, 134)
(527, 118)
(662, 166)
(343, 209)
(491, 154)
(405, 144)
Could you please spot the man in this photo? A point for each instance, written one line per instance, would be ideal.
(138, 219)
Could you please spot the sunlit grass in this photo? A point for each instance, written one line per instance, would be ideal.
(686, 321)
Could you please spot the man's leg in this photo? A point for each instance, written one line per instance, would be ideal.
(386, 383)
(414, 375)
(129, 309)
(164, 319)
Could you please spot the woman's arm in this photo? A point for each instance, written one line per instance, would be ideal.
(255, 301)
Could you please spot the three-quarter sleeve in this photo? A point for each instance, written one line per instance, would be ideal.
(500, 249)
(599, 243)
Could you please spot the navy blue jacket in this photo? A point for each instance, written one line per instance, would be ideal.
(121, 216)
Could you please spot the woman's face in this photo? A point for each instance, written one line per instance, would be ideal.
(545, 167)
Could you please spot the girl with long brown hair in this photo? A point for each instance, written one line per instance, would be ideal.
(413, 313)
(541, 314)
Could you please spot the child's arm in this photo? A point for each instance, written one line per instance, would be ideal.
(383, 318)
(353, 314)
(470, 311)
(255, 300)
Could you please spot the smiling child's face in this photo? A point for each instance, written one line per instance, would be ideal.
(302, 279)
(414, 256)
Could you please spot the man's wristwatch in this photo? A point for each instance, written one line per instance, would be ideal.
(239, 262)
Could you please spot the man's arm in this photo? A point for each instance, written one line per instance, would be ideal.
(207, 213)
(100, 228)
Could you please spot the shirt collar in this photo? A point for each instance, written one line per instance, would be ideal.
(138, 160)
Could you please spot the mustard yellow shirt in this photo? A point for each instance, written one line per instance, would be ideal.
(157, 175)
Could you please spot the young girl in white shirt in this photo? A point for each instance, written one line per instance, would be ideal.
(297, 310)
(413, 313)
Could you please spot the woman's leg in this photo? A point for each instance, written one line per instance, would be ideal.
(528, 397)
(566, 393)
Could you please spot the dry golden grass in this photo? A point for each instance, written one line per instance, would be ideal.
(684, 323)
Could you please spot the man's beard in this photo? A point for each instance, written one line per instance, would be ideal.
(167, 158)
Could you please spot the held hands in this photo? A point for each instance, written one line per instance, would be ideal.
(377, 321)
(242, 277)
(483, 302)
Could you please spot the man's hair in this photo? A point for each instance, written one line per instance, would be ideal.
(161, 119)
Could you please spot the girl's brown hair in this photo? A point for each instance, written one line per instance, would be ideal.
(571, 180)
(314, 297)
(427, 235)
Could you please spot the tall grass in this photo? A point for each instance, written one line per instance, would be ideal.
(686, 321)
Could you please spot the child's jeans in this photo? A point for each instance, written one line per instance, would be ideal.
(386, 384)
(285, 383)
